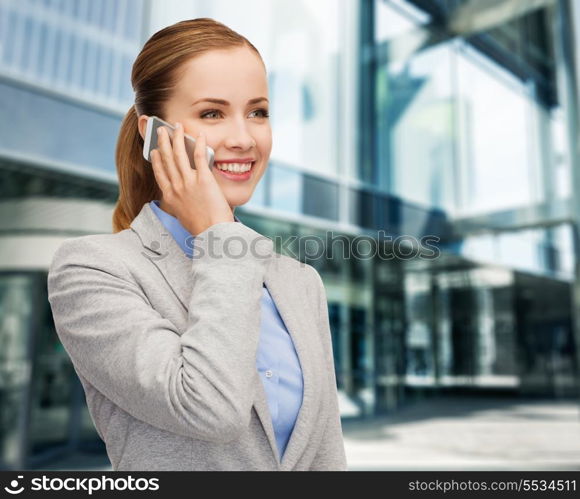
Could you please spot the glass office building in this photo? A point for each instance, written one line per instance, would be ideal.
(434, 139)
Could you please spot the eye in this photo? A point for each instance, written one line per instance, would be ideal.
(264, 112)
(209, 112)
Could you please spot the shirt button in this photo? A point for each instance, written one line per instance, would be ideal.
(268, 374)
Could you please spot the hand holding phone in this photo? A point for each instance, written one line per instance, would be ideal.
(193, 196)
(151, 141)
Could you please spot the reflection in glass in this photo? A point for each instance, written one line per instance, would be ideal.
(15, 318)
(51, 404)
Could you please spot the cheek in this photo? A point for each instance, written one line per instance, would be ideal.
(193, 132)
(266, 144)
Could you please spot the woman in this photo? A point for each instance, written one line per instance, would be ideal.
(198, 346)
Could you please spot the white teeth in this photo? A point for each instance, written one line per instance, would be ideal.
(235, 167)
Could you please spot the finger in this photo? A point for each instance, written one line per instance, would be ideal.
(180, 154)
(159, 172)
(167, 156)
(199, 156)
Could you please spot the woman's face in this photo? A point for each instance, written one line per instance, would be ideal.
(239, 130)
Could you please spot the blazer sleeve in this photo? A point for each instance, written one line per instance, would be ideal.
(331, 455)
(197, 384)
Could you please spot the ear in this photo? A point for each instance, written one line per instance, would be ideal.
(142, 125)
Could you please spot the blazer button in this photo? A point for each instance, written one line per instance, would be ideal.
(268, 374)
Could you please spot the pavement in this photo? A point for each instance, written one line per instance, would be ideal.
(475, 434)
(447, 433)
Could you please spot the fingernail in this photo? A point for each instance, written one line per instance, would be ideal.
(178, 125)
(201, 134)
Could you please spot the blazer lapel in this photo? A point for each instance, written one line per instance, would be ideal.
(290, 302)
(164, 252)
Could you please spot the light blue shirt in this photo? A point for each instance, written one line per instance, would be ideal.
(277, 361)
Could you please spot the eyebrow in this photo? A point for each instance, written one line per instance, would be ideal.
(226, 103)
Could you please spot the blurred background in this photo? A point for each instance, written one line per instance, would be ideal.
(456, 119)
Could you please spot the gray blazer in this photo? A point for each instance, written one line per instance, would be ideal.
(165, 347)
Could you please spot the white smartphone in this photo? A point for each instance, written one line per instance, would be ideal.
(153, 123)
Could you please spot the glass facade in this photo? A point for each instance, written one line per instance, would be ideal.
(394, 122)
(16, 316)
(465, 115)
(80, 47)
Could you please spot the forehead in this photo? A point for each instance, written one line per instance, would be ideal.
(224, 74)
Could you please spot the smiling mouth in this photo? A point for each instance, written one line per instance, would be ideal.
(230, 172)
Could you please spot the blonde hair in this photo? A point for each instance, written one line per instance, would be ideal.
(154, 76)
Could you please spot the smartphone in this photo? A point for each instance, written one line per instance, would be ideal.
(153, 123)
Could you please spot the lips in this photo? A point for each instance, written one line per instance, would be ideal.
(252, 163)
(234, 160)
(236, 176)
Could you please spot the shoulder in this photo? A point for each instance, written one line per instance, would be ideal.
(305, 276)
(298, 268)
(107, 251)
(93, 262)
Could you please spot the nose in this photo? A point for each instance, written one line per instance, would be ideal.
(238, 136)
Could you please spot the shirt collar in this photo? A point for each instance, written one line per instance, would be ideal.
(181, 235)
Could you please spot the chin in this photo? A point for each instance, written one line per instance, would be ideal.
(238, 198)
